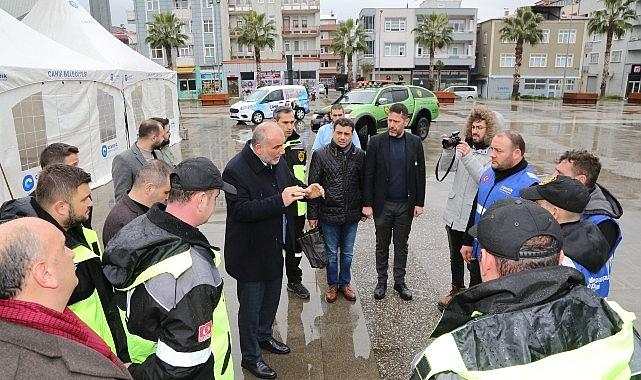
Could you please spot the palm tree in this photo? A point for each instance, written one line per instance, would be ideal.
(367, 68)
(349, 40)
(614, 20)
(164, 33)
(522, 27)
(258, 32)
(434, 33)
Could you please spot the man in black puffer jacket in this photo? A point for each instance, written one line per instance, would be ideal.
(339, 167)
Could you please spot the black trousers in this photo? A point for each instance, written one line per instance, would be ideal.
(393, 224)
(455, 240)
(475, 272)
(294, 256)
(258, 305)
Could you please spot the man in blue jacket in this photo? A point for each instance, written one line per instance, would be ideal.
(325, 133)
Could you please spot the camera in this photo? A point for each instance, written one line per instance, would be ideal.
(452, 141)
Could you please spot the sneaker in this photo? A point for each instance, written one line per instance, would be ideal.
(443, 302)
(330, 294)
(299, 290)
(348, 293)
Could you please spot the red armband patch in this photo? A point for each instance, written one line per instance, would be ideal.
(204, 332)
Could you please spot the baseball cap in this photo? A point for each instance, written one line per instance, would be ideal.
(509, 223)
(563, 192)
(198, 174)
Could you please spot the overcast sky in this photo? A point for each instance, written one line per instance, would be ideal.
(346, 9)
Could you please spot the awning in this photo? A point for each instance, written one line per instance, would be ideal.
(185, 70)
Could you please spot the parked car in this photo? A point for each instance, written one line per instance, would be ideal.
(321, 88)
(262, 103)
(368, 107)
(463, 92)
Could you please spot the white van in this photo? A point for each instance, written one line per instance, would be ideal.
(262, 103)
(464, 92)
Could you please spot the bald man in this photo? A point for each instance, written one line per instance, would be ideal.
(39, 336)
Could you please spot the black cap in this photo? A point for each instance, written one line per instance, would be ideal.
(563, 192)
(509, 223)
(198, 174)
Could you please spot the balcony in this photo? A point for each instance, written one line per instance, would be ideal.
(242, 55)
(329, 27)
(239, 8)
(233, 33)
(185, 61)
(634, 43)
(588, 46)
(330, 56)
(303, 53)
(326, 42)
(463, 36)
(311, 31)
(300, 6)
(131, 15)
(329, 71)
(462, 60)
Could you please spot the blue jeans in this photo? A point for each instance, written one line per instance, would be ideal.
(339, 236)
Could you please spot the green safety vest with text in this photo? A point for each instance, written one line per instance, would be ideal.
(299, 171)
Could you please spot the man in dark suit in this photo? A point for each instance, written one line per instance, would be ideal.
(394, 193)
(259, 217)
(125, 166)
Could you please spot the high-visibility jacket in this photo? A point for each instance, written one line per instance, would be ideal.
(296, 157)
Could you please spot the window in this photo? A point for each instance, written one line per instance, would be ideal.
(271, 1)
(508, 41)
(209, 50)
(241, 48)
(323, 50)
(239, 23)
(394, 24)
(615, 38)
(457, 26)
(400, 95)
(421, 51)
(187, 84)
(156, 53)
(563, 60)
(546, 37)
(596, 37)
(507, 60)
(304, 45)
(303, 22)
(370, 49)
(208, 26)
(594, 58)
(616, 56)
(484, 38)
(272, 19)
(181, 4)
(287, 46)
(295, 22)
(456, 50)
(368, 22)
(538, 60)
(534, 84)
(394, 50)
(106, 116)
(567, 36)
(261, 1)
(484, 61)
(31, 131)
(296, 46)
(209, 3)
(152, 5)
(324, 64)
(420, 93)
(186, 51)
(324, 36)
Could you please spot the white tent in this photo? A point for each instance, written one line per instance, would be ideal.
(149, 89)
(49, 93)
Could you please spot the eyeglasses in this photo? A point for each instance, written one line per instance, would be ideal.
(478, 128)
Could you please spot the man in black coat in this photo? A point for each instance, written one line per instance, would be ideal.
(394, 193)
(259, 217)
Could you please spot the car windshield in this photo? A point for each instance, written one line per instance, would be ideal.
(256, 96)
(359, 97)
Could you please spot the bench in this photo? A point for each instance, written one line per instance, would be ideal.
(634, 98)
(445, 97)
(214, 99)
(580, 98)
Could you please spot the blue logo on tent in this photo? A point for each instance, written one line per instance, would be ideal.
(28, 182)
(104, 150)
(73, 4)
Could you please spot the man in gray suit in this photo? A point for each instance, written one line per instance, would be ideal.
(125, 166)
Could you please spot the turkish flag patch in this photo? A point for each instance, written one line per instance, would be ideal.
(204, 332)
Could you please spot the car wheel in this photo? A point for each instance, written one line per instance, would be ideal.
(422, 128)
(257, 117)
(299, 114)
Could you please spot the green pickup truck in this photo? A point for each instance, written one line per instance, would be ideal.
(368, 107)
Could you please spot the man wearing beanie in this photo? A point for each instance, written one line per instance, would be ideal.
(530, 318)
(584, 246)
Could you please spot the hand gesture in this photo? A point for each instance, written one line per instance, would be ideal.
(418, 211)
(292, 194)
(463, 148)
(466, 252)
(314, 191)
(313, 223)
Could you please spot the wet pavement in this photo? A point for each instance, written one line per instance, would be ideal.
(377, 339)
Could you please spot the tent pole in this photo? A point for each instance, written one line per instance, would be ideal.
(6, 181)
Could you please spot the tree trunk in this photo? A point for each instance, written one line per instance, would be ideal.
(518, 56)
(170, 63)
(259, 74)
(606, 62)
(350, 76)
(431, 72)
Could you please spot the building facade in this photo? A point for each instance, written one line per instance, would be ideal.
(625, 56)
(395, 55)
(546, 67)
(330, 63)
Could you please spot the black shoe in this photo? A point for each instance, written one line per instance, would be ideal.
(260, 369)
(379, 291)
(403, 292)
(272, 345)
(299, 290)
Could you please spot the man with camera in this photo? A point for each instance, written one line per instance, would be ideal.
(473, 154)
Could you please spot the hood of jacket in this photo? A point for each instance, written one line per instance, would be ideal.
(603, 202)
(17, 208)
(584, 243)
(148, 240)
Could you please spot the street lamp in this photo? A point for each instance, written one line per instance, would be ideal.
(380, 32)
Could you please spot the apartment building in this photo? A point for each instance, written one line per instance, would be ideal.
(395, 55)
(330, 62)
(546, 67)
(298, 28)
(625, 56)
(198, 63)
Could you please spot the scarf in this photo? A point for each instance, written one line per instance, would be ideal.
(65, 324)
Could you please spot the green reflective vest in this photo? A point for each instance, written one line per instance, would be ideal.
(90, 310)
(140, 348)
(297, 162)
(605, 358)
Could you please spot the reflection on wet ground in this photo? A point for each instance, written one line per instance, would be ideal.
(371, 339)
